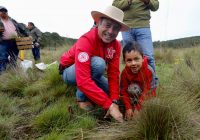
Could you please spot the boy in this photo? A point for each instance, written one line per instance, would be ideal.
(137, 79)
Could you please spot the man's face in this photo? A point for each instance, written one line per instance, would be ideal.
(108, 29)
(29, 26)
(133, 60)
(3, 15)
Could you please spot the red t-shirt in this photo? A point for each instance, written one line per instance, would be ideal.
(80, 54)
(143, 78)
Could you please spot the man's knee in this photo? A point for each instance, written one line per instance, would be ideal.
(69, 75)
(98, 66)
(98, 63)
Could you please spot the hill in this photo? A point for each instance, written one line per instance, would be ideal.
(55, 40)
(179, 43)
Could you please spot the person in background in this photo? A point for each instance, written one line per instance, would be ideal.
(36, 35)
(137, 17)
(85, 62)
(9, 30)
(137, 79)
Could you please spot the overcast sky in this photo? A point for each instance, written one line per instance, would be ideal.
(174, 18)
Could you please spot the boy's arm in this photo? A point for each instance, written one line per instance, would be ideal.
(125, 97)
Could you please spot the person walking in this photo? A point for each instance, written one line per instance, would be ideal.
(36, 35)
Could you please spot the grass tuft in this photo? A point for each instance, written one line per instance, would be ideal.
(53, 117)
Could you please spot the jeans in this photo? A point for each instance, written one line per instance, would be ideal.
(8, 48)
(36, 52)
(143, 37)
(97, 72)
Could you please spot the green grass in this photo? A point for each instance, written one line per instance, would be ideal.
(54, 116)
(36, 104)
(166, 118)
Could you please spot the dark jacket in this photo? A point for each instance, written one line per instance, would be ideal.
(36, 34)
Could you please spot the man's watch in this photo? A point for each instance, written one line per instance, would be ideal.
(117, 102)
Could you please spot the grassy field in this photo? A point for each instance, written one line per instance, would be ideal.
(38, 105)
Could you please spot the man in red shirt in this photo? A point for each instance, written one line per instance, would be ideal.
(85, 62)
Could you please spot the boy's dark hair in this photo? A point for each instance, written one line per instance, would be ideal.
(131, 46)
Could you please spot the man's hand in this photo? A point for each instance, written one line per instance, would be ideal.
(36, 44)
(61, 69)
(129, 114)
(1, 29)
(145, 1)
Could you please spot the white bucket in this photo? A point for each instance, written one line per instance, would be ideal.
(26, 64)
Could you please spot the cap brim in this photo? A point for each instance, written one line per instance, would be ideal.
(96, 15)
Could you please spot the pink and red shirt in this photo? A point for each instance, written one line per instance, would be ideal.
(10, 30)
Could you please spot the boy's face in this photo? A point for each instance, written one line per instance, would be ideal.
(133, 60)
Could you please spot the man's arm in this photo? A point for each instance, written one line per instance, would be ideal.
(152, 4)
(38, 34)
(22, 30)
(113, 73)
(1, 31)
(83, 74)
(122, 4)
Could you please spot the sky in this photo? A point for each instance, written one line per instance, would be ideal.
(71, 18)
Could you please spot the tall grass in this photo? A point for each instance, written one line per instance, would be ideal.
(186, 75)
(165, 119)
(165, 55)
(39, 105)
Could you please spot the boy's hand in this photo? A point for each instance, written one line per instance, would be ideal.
(129, 114)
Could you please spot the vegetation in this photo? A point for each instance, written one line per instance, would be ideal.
(179, 43)
(54, 40)
(38, 105)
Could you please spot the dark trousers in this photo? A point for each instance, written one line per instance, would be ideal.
(8, 48)
(36, 52)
